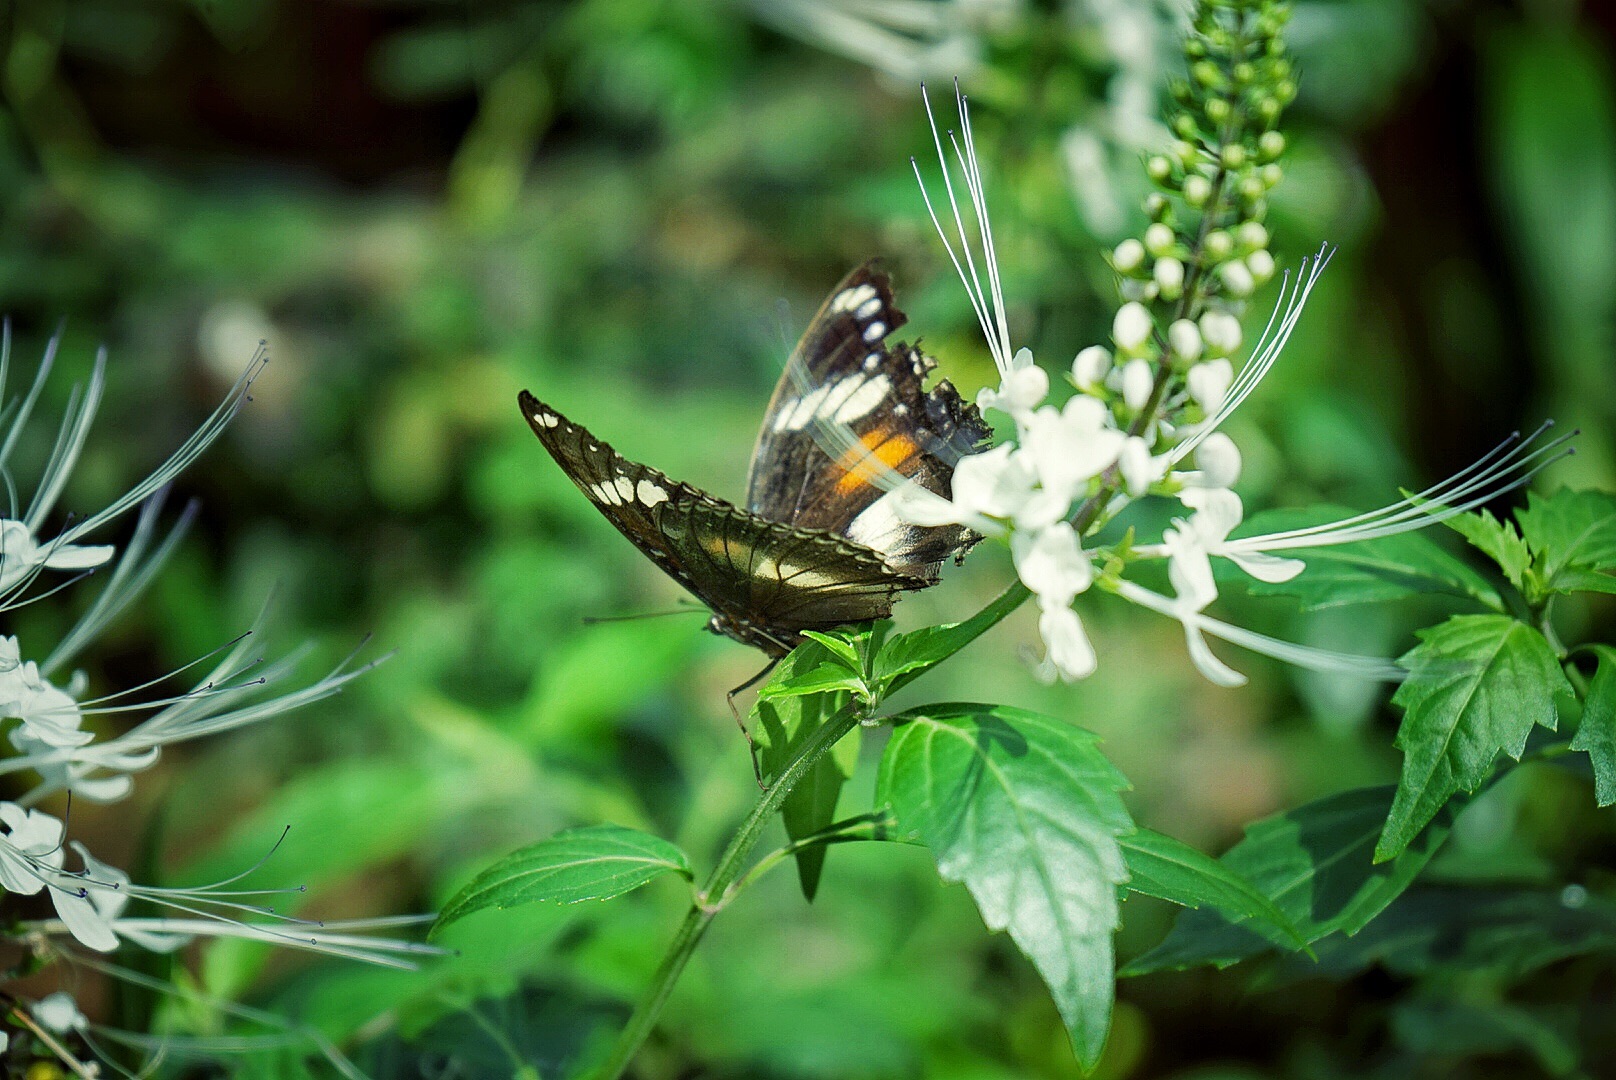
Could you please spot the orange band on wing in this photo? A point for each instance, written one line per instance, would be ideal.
(888, 449)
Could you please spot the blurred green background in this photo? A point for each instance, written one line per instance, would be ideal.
(631, 207)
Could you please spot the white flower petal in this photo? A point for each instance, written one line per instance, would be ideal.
(1051, 563)
(1069, 654)
(1269, 568)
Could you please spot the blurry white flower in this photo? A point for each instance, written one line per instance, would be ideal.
(1131, 327)
(1219, 459)
(1090, 366)
(1138, 380)
(1023, 389)
(1208, 383)
(58, 1013)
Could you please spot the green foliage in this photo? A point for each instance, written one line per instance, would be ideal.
(1025, 811)
(593, 862)
(1572, 536)
(1171, 870)
(1499, 541)
(1317, 865)
(1596, 733)
(1476, 686)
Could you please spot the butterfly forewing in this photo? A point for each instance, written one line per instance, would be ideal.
(850, 415)
(765, 580)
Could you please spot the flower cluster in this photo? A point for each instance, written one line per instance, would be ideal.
(1147, 410)
(51, 723)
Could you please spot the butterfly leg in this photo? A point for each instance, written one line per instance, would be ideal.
(751, 744)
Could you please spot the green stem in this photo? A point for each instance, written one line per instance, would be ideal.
(718, 891)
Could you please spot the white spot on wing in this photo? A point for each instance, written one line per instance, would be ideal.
(863, 401)
(875, 331)
(869, 309)
(625, 488)
(848, 299)
(872, 361)
(650, 494)
(544, 419)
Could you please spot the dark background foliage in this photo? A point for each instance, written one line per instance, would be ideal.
(425, 205)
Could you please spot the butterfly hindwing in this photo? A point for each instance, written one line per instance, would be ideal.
(765, 580)
(849, 406)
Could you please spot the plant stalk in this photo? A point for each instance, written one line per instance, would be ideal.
(717, 891)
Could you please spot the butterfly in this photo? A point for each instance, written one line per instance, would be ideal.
(819, 543)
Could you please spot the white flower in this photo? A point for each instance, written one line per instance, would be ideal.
(1138, 468)
(1069, 447)
(1051, 563)
(1068, 653)
(21, 557)
(49, 715)
(1208, 383)
(1023, 389)
(58, 1013)
(31, 846)
(989, 489)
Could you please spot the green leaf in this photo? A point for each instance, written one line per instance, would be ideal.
(596, 862)
(783, 722)
(1316, 864)
(906, 657)
(1025, 811)
(1370, 571)
(1573, 536)
(823, 679)
(1597, 735)
(1476, 686)
(1171, 870)
(843, 649)
(1498, 540)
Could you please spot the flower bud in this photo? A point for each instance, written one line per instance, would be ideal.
(1169, 274)
(1252, 188)
(1207, 74)
(1159, 168)
(1134, 289)
(1133, 462)
(1272, 174)
(1156, 205)
(1221, 333)
(1271, 145)
(1185, 340)
(1217, 110)
(1184, 126)
(1131, 328)
(1252, 236)
(1219, 459)
(1219, 245)
(1261, 265)
(1090, 366)
(1233, 156)
(1197, 189)
(1236, 279)
(1159, 239)
(1209, 383)
(1128, 256)
(1138, 380)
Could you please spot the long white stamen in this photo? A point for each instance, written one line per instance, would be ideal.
(1304, 656)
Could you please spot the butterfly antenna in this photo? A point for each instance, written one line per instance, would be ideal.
(751, 743)
(591, 620)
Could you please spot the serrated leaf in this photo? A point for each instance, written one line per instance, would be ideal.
(1316, 864)
(1171, 870)
(1477, 685)
(596, 862)
(906, 657)
(1025, 811)
(1573, 536)
(1498, 540)
(1597, 734)
(1369, 571)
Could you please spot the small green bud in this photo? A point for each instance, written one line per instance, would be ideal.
(1180, 89)
(1252, 187)
(1261, 265)
(1159, 240)
(1184, 126)
(1286, 91)
(1128, 257)
(1159, 169)
(1217, 110)
(1233, 156)
(1244, 72)
(1157, 206)
(1272, 174)
(1268, 110)
(1188, 153)
(1207, 74)
(1219, 245)
(1194, 48)
(1252, 236)
(1237, 279)
(1197, 189)
(1169, 274)
(1257, 209)
(1271, 145)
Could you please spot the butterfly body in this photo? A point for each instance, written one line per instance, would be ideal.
(820, 543)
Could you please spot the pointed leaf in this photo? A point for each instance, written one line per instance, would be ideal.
(1369, 571)
(1024, 810)
(840, 647)
(1498, 540)
(1171, 870)
(596, 862)
(1476, 686)
(1597, 735)
(906, 657)
(1316, 863)
(821, 680)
